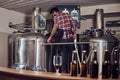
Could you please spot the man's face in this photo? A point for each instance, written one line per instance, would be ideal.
(55, 13)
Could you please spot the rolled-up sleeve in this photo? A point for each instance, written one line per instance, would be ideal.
(55, 22)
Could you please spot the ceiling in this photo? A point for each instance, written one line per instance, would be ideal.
(26, 6)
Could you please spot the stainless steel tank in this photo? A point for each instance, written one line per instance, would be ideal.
(26, 49)
(102, 43)
(101, 40)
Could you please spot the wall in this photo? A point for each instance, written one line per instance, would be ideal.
(3, 49)
(7, 16)
(109, 8)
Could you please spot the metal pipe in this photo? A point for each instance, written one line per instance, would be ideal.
(70, 43)
(66, 43)
(76, 48)
(20, 25)
(99, 19)
(35, 18)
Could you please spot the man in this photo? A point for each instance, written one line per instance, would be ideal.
(65, 22)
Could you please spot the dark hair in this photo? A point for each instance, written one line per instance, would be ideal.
(54, 9)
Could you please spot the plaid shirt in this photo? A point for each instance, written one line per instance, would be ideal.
(64, 21)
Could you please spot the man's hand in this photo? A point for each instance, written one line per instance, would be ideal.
(74, 36)
(49, 39)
